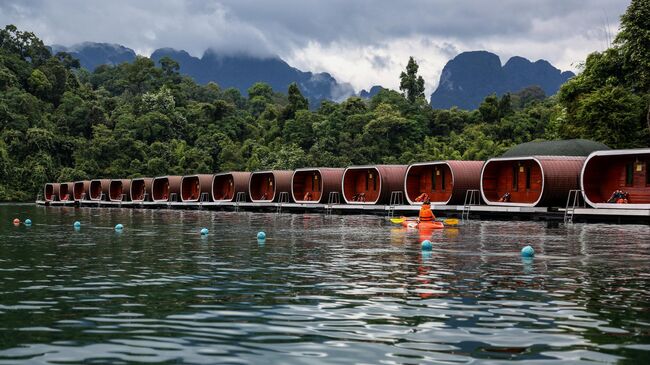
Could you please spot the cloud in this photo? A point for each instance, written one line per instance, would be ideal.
(364, 42)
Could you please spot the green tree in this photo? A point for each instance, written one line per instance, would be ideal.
(410, 83)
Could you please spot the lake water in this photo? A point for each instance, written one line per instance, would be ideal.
(319, 290)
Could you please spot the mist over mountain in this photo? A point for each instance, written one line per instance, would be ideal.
(91, 55)
(468, 78)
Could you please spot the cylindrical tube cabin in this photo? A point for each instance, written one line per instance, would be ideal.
(120, 190)
(533, 181)
(617, 179)
(81, 190)
(372, 184)
(227, 185)
(270, 186)
(65, 191)
(442, 182)
(51, 191)
(141, 189)
(196, 188)
(99, 189)
(314, 185)
(166, 188)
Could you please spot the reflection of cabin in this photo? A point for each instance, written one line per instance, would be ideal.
(267, 186)
(443, 182)
(607, 171)
(372, 184)
(80, 190)
(196, 188)
(530, 181)
(99, 189)
(226, 185)
(166, 188)
(141, 189)
(120, 190)
(315, 185)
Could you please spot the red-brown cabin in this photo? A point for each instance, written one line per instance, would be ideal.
(196, 188)
(443, 182)
(269, 186)
(99, 189)
(314, 185)
(51, 191)
(166, 188)
(604, 172)
(120, 190)
(81, 190)
(372, 184)
(141, 189)
(227, 185)
(533, 181)
(65, 191)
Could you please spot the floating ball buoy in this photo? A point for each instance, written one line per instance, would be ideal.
(261, 235)
(527, 251)
(119, 227)
(28, 222)
(76, 224)
(204, 231)
(426, 245)
(16, 221)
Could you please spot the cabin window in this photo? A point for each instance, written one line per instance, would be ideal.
(528, 177)
(442, 180)
(433, 179)
(515, 178)
(629, 174)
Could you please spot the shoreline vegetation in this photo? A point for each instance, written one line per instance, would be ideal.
(59, 122)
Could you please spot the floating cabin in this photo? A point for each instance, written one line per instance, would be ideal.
(119, 190)
(196, 188)
(65, 191)
(268, 186)
(80, 190)
(227, 185)
(444, 182)
(166, 188)
(607, 171)
(51, 191)
(372, 184)
(532, 181)
(99, 189)
(141, 189)
(314, 185)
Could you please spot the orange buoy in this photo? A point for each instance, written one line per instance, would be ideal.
(16, 221)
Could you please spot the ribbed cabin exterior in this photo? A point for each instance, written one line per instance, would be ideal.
(443, 182)
(166, 188)
(80, 190)
(196, 188)
(607, 171)
(372, 184)
(268, 186)
(531, 181)
(99, 189)
(314, 185)
(140, 189)
(227, 185)
(120, 190)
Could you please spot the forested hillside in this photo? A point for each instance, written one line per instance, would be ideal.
(61, 123)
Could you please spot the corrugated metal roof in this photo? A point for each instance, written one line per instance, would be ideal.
(570, 147)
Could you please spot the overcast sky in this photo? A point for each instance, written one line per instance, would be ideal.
(363, 42)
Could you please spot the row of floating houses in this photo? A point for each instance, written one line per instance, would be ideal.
(530, 181)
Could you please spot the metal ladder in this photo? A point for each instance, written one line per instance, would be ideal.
(173, 197)
(333, 198)
(241, 197)
(471, 198)
(574, 199)
(205, 197)
(396, 198)
(282, 198)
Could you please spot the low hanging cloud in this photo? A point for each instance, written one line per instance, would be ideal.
(363, 42)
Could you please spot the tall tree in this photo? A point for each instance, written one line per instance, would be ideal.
(411, 84)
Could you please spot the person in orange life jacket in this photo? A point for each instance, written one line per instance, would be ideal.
(426, 215)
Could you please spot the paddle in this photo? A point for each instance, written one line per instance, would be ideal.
(447, 221)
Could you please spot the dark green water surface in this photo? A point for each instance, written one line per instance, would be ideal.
(345, 289)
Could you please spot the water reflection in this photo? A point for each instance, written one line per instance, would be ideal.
(319, 289)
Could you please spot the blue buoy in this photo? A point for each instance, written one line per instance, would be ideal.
(261, 235)
(527, 251)
(426, 245)
(119, 227)
(204, 231)
(76, 224)
(28, 222)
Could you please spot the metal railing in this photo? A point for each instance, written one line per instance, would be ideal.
(472, 197)
(396, 198)
(333, 198)
(573, 200)
(241, 197)
(282, 198)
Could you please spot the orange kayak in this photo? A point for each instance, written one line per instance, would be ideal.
(423, 225)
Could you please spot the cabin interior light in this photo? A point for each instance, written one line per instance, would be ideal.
(370, 175)
(437, 172)
(521, 168)
(639, 167)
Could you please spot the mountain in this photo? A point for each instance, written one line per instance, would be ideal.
(471, 76)
(91, 54)
(242, 71)
(369, 94)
